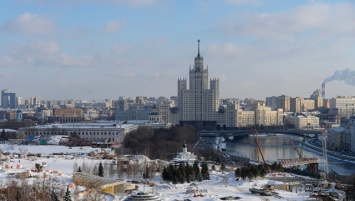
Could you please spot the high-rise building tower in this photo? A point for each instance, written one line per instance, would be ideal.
(200, 102)
(8, 99)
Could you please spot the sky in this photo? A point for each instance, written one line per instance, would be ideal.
(97, 49)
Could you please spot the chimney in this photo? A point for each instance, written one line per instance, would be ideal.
(323, 90)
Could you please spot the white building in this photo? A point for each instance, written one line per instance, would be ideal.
(103, 131)
(185, 156)
(303, 122)
(343, 106)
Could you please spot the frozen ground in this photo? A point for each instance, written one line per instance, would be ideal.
(220, 185)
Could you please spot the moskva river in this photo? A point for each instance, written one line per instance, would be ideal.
(278, 146)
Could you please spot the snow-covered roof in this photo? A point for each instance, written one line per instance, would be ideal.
(83, 125)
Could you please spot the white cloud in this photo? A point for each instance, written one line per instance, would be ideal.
(243, 1)
(322, 19)
(113, 26)
(136, 3)
(29, 24)
(46, 54)
(225, 50)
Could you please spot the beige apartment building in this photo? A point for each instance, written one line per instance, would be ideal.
(303, 122)
(262, 115)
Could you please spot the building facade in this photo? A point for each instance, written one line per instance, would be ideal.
(303, 122)
(343, 106)
(96, 132)
(352, 134)
(200, 101)
(8, 99)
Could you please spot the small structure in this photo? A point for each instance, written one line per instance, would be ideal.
(195, 190)
(107, 185)
(185, 156)
(143, 196)
(3, 157)
(3, 136)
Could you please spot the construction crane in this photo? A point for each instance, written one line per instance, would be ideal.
(257, 143)
(298, 151)
(311, 167)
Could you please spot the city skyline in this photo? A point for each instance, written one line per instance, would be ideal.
(93, 49)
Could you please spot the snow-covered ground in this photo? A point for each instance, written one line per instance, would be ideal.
(220, 185)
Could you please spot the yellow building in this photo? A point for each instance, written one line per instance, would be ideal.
(106, 185)
(303, 122)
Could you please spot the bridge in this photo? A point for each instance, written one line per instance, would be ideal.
(236, 133)
(298, 161)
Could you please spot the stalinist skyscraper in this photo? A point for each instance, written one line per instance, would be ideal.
(200, 101)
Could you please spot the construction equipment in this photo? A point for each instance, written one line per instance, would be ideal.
(257, 143)
(269, 187)
(260, 191)
(299, 153)
(310, 163)
(39, 167)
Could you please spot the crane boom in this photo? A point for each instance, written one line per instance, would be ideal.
(257, 143)
(299, 152)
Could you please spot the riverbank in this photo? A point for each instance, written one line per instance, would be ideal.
(330, 154)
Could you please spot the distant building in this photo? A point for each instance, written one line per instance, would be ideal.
(308, 105)
(271, 102)
(318, 99)
(19, 101)
(352, 133)
(134, 112)
(298, 105)
(260, 115)
(185, 156)
(16, 125)
(35, 101)
(200, 101)
(66, 116)
(8, 99)
(284, 102)
(19, 115)
(302, 122)
(95, 132)
(343, 106)
(337, 138)
(279, 102)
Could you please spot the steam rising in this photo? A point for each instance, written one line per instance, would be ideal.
(347, 75)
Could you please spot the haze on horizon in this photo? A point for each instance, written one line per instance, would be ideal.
(96, 49)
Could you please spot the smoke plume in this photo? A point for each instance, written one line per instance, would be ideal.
(347, 75)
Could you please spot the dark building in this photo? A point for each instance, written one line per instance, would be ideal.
(8, 99)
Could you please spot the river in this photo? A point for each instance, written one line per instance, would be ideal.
(274, 147)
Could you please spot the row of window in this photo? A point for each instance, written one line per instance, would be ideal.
(66, 133)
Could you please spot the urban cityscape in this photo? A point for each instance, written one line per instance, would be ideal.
(245, 119)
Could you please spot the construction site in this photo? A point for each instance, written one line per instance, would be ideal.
(314, 176)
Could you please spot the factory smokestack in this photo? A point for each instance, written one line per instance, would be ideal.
(323, 90)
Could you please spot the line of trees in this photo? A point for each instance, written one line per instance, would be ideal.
(159, 143)
(39, 189)
(186, 173)
(251, 171)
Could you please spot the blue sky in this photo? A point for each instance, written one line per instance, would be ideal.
(96, 49)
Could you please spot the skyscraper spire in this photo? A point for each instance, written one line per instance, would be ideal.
(198, 55)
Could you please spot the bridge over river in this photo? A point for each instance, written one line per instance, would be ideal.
(236, 133)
